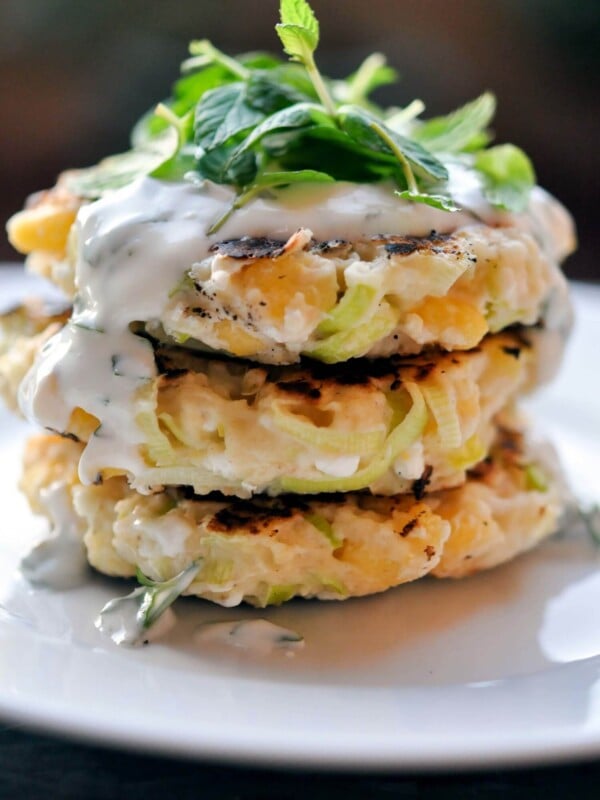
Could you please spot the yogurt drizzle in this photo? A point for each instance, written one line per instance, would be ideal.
(137, 243)
(59, 561)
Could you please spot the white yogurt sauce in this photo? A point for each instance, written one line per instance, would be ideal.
(120, 620)
(58, 562)
(259, 636)
(137, 243)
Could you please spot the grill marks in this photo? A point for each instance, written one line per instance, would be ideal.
(435, 244)
(249, 247)
(253, 516)
(257, 247)
(308, 377)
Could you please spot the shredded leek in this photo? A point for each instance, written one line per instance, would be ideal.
(276, 595)
(157, 445)
(408, 431)
(443, 407)
(471, 453)
(357, 341)
(399, 440)
(353, 306)
(324, 527)
(332, 584)
(201, 480)
(535, 479)
(185, 284)
(173, 427)
(217, 572)
(326, 438)
(127, 619)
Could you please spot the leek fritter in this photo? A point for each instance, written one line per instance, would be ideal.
(267, 550)
(389, 426)
(275, 301)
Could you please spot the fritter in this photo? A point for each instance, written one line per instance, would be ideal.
(389, 426)
(267, 550)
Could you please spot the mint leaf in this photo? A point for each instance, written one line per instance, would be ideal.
(298, 29)
(220, 166)
(372, 73)
(434, 200)
(204, 52)
(293, 118)
(260, 60)
(270, 180)
(372, 133)
(269, 92)
(456, 131)
(222, 114)
(273, 179)
(508, 176)
(187, 91)
(120, 170)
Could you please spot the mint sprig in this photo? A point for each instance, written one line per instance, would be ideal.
(252, 120)
(299, 34)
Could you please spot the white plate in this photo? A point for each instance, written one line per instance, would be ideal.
(497, 669)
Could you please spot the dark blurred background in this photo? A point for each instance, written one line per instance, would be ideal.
(76, 74)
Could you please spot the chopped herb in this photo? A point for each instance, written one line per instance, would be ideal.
(246, 121)
(85, 326)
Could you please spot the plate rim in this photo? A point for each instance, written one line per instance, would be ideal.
(556, 745)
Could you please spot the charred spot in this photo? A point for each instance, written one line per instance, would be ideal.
(303, 387)
(419, 486)
(510, 442)
(515, 352)
(409, 527)
(198, 311)
(429, 552)
(253, 515)
(424, 371)
(481, 470)
(355, 372)
(166, 365)
(340, 247)
(396, 245)
(249, 247)
(519, 333)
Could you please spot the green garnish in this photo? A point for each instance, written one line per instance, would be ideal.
(259, 123)
(127, 619)
(508, 174)
(299, 34)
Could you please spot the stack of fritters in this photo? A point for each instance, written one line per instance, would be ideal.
(303, 417)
